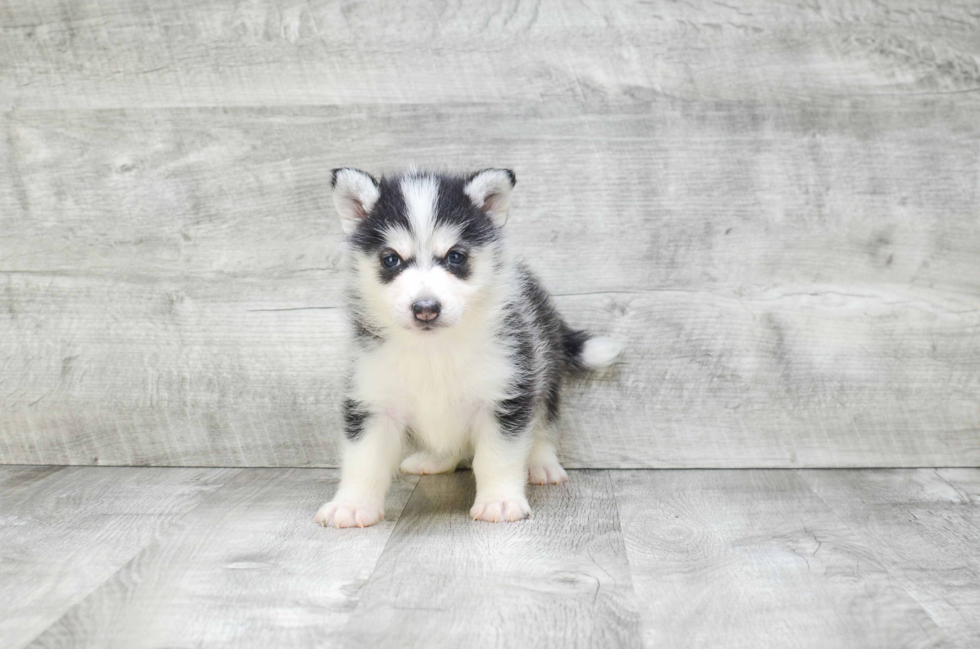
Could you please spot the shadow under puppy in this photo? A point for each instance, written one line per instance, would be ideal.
(454, 343)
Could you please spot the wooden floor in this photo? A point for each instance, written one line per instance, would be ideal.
(181, 557)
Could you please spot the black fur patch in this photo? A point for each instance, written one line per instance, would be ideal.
(387, 275)
(552, 399)
(388, 213)
(355, 417)
(573, 342)
(455, 208)
(515, 414)
(462, 271)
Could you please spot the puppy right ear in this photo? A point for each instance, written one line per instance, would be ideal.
(354, 194)
(490, 191)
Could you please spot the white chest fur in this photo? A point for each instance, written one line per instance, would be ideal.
(434, 383)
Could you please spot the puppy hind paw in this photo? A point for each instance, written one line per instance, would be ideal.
(341, 515)
(425, 464)
(551, 473)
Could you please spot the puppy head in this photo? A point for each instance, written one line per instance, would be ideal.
(422, 244)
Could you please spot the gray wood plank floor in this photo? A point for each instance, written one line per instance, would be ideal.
(157, 557)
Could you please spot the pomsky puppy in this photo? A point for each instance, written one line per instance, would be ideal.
(456, 346)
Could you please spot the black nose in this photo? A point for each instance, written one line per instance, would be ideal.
(426, 310)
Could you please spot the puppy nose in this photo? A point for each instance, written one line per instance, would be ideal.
(426, 310)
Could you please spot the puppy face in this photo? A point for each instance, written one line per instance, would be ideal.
(422, 244)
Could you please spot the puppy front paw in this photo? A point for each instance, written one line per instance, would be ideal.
(334, 514)
(549, 473)
(500, 511)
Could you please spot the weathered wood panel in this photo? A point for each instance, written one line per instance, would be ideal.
(114, 53)
(925, 528)
(666, 194)
(797, 285)
(62, 533)
(246, 568)
(755, 559)
(559, 579)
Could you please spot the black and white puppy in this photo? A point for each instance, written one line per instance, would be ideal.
(455, 344)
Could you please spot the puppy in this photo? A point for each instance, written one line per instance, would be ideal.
(456, 346)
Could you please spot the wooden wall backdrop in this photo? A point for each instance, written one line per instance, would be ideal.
(777, 206)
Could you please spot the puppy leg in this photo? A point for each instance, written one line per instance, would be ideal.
(543, 466)
(369, 459)
(500, 467)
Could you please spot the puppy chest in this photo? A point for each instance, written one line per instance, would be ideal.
(435, 395)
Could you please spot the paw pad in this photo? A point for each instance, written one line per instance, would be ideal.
(340, 515)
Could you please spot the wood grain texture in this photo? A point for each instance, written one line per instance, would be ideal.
(965, 481)
(64, 532)
(924, 527)
(797, 286)
(755, 559)
(559, 579)
(19, 482)
(169, 557)
(113, 53)
(246, 568)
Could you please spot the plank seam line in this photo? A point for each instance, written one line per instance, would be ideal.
(374, 568)
(295, 308)
(962, 495)
(634, 599)
(393, 530)
(139, 551)
(874, 551)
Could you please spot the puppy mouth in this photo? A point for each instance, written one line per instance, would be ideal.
(428, 326)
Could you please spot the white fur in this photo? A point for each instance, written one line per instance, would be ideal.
(401, 242)
(426, 463)
(354, 195)
(390, 304)
(543, 466)
(600, 352)
(360, 500)
(443, 238)
(490, 190)
(421, 194)
(443, 383)
(443, 389)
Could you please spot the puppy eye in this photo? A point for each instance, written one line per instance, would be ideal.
(391, 260)
(455, 258)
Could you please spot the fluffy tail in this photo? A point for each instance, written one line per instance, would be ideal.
(585, 352)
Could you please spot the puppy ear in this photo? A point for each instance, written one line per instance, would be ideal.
(354, 194)
(490, 191)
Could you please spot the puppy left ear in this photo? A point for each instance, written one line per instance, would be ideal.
(490, 191)
(354, 194)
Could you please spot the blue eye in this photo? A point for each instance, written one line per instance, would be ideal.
(391, 260)
(455, 258)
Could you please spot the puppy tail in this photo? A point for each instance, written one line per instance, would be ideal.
(585, 352)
